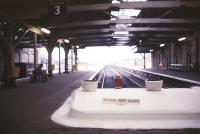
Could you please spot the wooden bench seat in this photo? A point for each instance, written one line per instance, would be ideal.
(177, 67)
(39, 77)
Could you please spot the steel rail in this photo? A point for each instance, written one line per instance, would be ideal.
(104, 77)
(130, 79)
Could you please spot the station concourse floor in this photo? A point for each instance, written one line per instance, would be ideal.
(27, 108)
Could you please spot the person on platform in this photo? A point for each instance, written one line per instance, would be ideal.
(38, 73)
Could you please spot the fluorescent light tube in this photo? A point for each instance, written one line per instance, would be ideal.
(182, 39)
(45, 30)
(66, 40)
(121, 32)
(162, 45)
(115, 37)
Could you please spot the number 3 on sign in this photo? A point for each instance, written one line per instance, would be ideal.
(57, 10)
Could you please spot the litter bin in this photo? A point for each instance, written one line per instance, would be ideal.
(15, 72)
(75, 67)
(118, 82)
(22, 69)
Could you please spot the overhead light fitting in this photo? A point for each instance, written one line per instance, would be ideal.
(45, 30)
(77, 46)
(118, 1)
(66, 40)
(162, 45)
(119, 44)
(182, 39)
(20, 29)
(140, 41)
(60, 41)
(121, 32)
(16, 37)
(123, 37)
(151, 50)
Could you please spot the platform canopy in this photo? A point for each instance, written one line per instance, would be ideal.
(147, 23)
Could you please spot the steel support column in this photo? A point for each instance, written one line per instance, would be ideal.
(72, 58)
(172, 55)
(197, 52)
(59, 68)
(66, 49)
(10, 81)
(169, 56)
(50, 63)
(144, 61)
(75, 55)
(50, 47)
(35, 50)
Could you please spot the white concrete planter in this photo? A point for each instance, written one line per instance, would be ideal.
(89, 85)
(154, 85)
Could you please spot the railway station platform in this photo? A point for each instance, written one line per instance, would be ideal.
(192, 77)
(27, 108)
(161, 32)
(131, 109)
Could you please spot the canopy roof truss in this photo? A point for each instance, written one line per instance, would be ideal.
(92, 23)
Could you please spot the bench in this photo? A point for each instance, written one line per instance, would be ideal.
(177, 67)
(2, 81)
(39, 77)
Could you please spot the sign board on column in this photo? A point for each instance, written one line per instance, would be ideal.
(57, 7)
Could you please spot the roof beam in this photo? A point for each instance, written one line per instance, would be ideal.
(30, 27)
(28, 14)
(94, 40)
(171, 35)
(97, 44)
(16, 42)
(91, 36)
(139, 35)
(124, 42)
(106, 30)
(134, 5)
(147, 47)
(127, 42)
(81, 37)
(127, 21)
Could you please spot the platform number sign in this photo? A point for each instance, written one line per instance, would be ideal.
(57, 7)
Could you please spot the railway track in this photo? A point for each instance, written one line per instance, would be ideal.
(134, 79)
(108, 74)
(106, 79)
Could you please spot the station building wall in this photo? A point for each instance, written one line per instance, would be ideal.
(184, 52)
(155, 59)
(24, 55)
